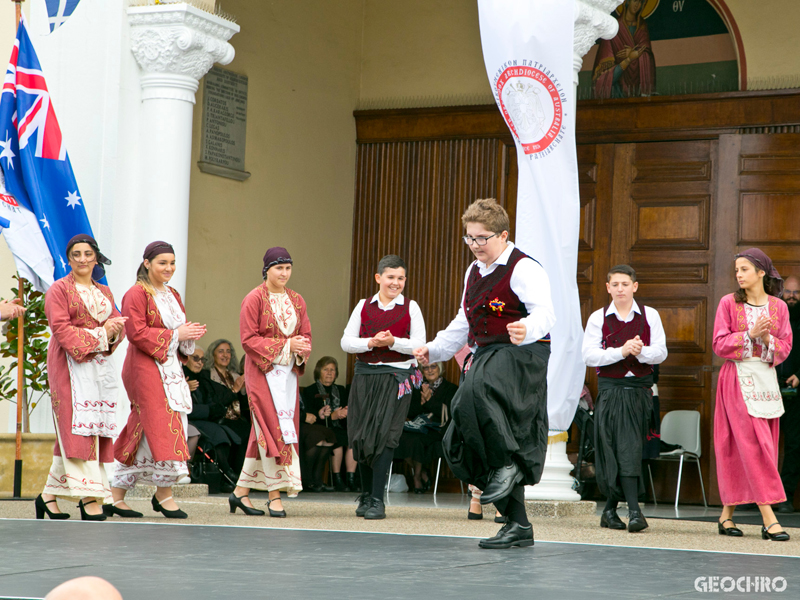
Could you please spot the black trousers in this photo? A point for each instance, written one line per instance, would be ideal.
(790, 427)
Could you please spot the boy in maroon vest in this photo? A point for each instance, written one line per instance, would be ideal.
(623, 341)
(382, 332)
(497, 438)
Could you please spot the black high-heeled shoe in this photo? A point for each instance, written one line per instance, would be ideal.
(474, 516)
(235, 502)
(731, 531)
(170, 514)
(110, 510)
(275, 513)
(41, 509)
(781, 536)
(86, 516)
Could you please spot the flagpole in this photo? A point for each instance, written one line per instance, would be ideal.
(20, 361)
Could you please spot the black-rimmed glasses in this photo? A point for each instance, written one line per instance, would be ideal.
(480, 240)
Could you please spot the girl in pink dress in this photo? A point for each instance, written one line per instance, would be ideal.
(752, 332)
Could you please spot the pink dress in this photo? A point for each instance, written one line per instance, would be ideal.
(747, 446)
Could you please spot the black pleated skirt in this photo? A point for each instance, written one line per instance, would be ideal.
(621, 421)
(375, 415)
(500, 412)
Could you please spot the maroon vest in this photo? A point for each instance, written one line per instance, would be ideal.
(615, 334)
(491, 304)
(375, 320)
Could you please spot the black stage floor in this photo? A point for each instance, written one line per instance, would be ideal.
(195, 562)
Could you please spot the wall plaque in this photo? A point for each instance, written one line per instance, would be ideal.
(224, 124)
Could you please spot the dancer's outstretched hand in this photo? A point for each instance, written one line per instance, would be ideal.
(422, 355)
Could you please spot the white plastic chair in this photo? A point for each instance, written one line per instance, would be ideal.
(681, 427)
(436, 481)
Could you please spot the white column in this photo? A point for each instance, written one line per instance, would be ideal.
(592, 20)
(175, 45)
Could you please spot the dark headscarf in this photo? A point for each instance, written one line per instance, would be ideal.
(99, 271)
(155, 248)
(275, 256)
(762, 262)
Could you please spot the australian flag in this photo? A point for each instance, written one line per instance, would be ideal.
(42, 202)
(58, 11)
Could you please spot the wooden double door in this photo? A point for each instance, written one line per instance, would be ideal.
(678, 212)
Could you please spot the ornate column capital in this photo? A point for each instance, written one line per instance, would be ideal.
(592, 20)
(175, 45)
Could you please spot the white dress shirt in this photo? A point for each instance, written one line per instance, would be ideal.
(595, 356)
(352, 343)
(529, 282)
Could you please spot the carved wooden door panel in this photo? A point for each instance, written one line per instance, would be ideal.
(651, 205)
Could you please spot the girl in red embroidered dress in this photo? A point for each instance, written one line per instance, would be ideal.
(276, 337)
(84, 385)
(752, 332)
(152, 447)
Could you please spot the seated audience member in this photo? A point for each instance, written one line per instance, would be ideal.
(220, 364)
(422, 434)
(316, 442)
(210, 402)
(327, 401)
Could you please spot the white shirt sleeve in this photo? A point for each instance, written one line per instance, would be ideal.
(452, 338)
(592, 350)
(530, 283)
(417, 339)
(656, 352)
(351, 343)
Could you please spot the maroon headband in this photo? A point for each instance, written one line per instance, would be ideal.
(762, 262)
(99, 271)
(155, 248)
(275, 256)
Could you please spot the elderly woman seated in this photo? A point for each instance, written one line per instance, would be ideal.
(210, 401)
(220, 364)
(428, 413)
(327, 401)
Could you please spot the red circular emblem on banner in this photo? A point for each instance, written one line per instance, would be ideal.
(531, 105)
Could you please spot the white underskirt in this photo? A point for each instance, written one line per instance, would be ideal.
(264, 473)
(75, 478)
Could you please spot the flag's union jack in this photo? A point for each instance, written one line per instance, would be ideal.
(28, 82)
(33, 156)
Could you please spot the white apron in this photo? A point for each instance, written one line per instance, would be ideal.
(758, 382)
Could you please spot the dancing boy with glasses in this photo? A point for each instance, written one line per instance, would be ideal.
(497, 438)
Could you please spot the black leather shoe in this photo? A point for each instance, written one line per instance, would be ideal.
(610, 519)
(41, 509)
(785, 507)
(510, 534)
(376, 510)
(275, 513)
(731, 531)
(235, 502)
(86, 516)
(326, 488)
(781, 536)
(350, 486)
(636, 521)
(110, 510)
(170, 514)
(500, 519)
(501, 483)
(364, 502)
(338, 483)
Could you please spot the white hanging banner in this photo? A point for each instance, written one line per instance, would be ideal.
(527, 48)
